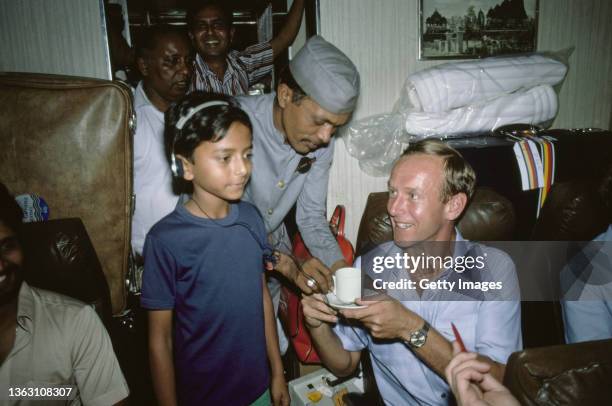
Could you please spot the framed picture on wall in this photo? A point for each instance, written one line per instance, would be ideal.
(464, 29)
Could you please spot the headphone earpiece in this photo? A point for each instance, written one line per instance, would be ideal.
(176, 166)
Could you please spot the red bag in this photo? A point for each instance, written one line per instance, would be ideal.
(290, 309)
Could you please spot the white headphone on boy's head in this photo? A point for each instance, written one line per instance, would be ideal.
(175, 164)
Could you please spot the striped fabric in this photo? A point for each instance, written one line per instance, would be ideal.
(243, 70)
(535, 157)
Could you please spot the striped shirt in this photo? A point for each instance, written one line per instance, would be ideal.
(243, 70)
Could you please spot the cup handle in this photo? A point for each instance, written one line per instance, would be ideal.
(335, 284)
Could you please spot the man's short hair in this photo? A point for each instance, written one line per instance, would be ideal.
(286, 77)
(459, 176)
(10, 212)
(151, 36)
(195, 7)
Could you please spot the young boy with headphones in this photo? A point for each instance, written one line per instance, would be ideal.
(211, 325)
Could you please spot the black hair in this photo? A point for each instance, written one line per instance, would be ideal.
(210, 124)
(195, 7)
(150, 37)
(286, 77)
(10, 212)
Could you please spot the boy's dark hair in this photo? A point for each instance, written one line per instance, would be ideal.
(286, 77)
(150, 37)
(209, 124)
(195, 7)
(10, 212)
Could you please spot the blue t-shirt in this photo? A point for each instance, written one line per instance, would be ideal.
(210, 273)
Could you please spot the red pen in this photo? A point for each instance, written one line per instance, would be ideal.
(458, 338)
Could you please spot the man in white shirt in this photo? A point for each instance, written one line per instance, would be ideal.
(50, 344)
(165, 60)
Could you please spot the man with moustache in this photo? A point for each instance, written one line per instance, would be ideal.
(220, 69)
(409, 333)
(165, 60)
(47, 339)
(293, 148)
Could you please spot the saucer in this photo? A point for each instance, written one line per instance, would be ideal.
(334, 302)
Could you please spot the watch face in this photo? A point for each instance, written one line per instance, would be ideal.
(418, 339)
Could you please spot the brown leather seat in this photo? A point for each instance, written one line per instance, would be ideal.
(574, 374)
(59, 256)
(574, 211)
(68, 140)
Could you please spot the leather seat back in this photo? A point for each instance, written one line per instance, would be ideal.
(573, 374)
(59, 256)
(68, 140)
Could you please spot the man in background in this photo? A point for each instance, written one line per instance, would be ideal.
(165, 60)
(220, 69)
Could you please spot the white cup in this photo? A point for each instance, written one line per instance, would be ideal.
(347, 284)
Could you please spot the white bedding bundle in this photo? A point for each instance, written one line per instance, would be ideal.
(448, 86)
(536, 105)
(459, 99)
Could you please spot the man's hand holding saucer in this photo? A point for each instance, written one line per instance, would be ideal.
(317, 310)
(384, 317)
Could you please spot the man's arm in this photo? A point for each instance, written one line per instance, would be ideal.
(280, 395)
(318, 315)
(160, 355)
(586, 320)
(311, 209)
(389, 319)
(287, 34)
(98, 375)
(97, 371)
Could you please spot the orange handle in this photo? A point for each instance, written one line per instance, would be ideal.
(337, 220)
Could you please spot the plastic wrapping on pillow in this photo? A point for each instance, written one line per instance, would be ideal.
(460, 99)
(376, 142)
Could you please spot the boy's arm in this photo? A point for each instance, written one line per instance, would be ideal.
(161, 358)
(280, 395)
